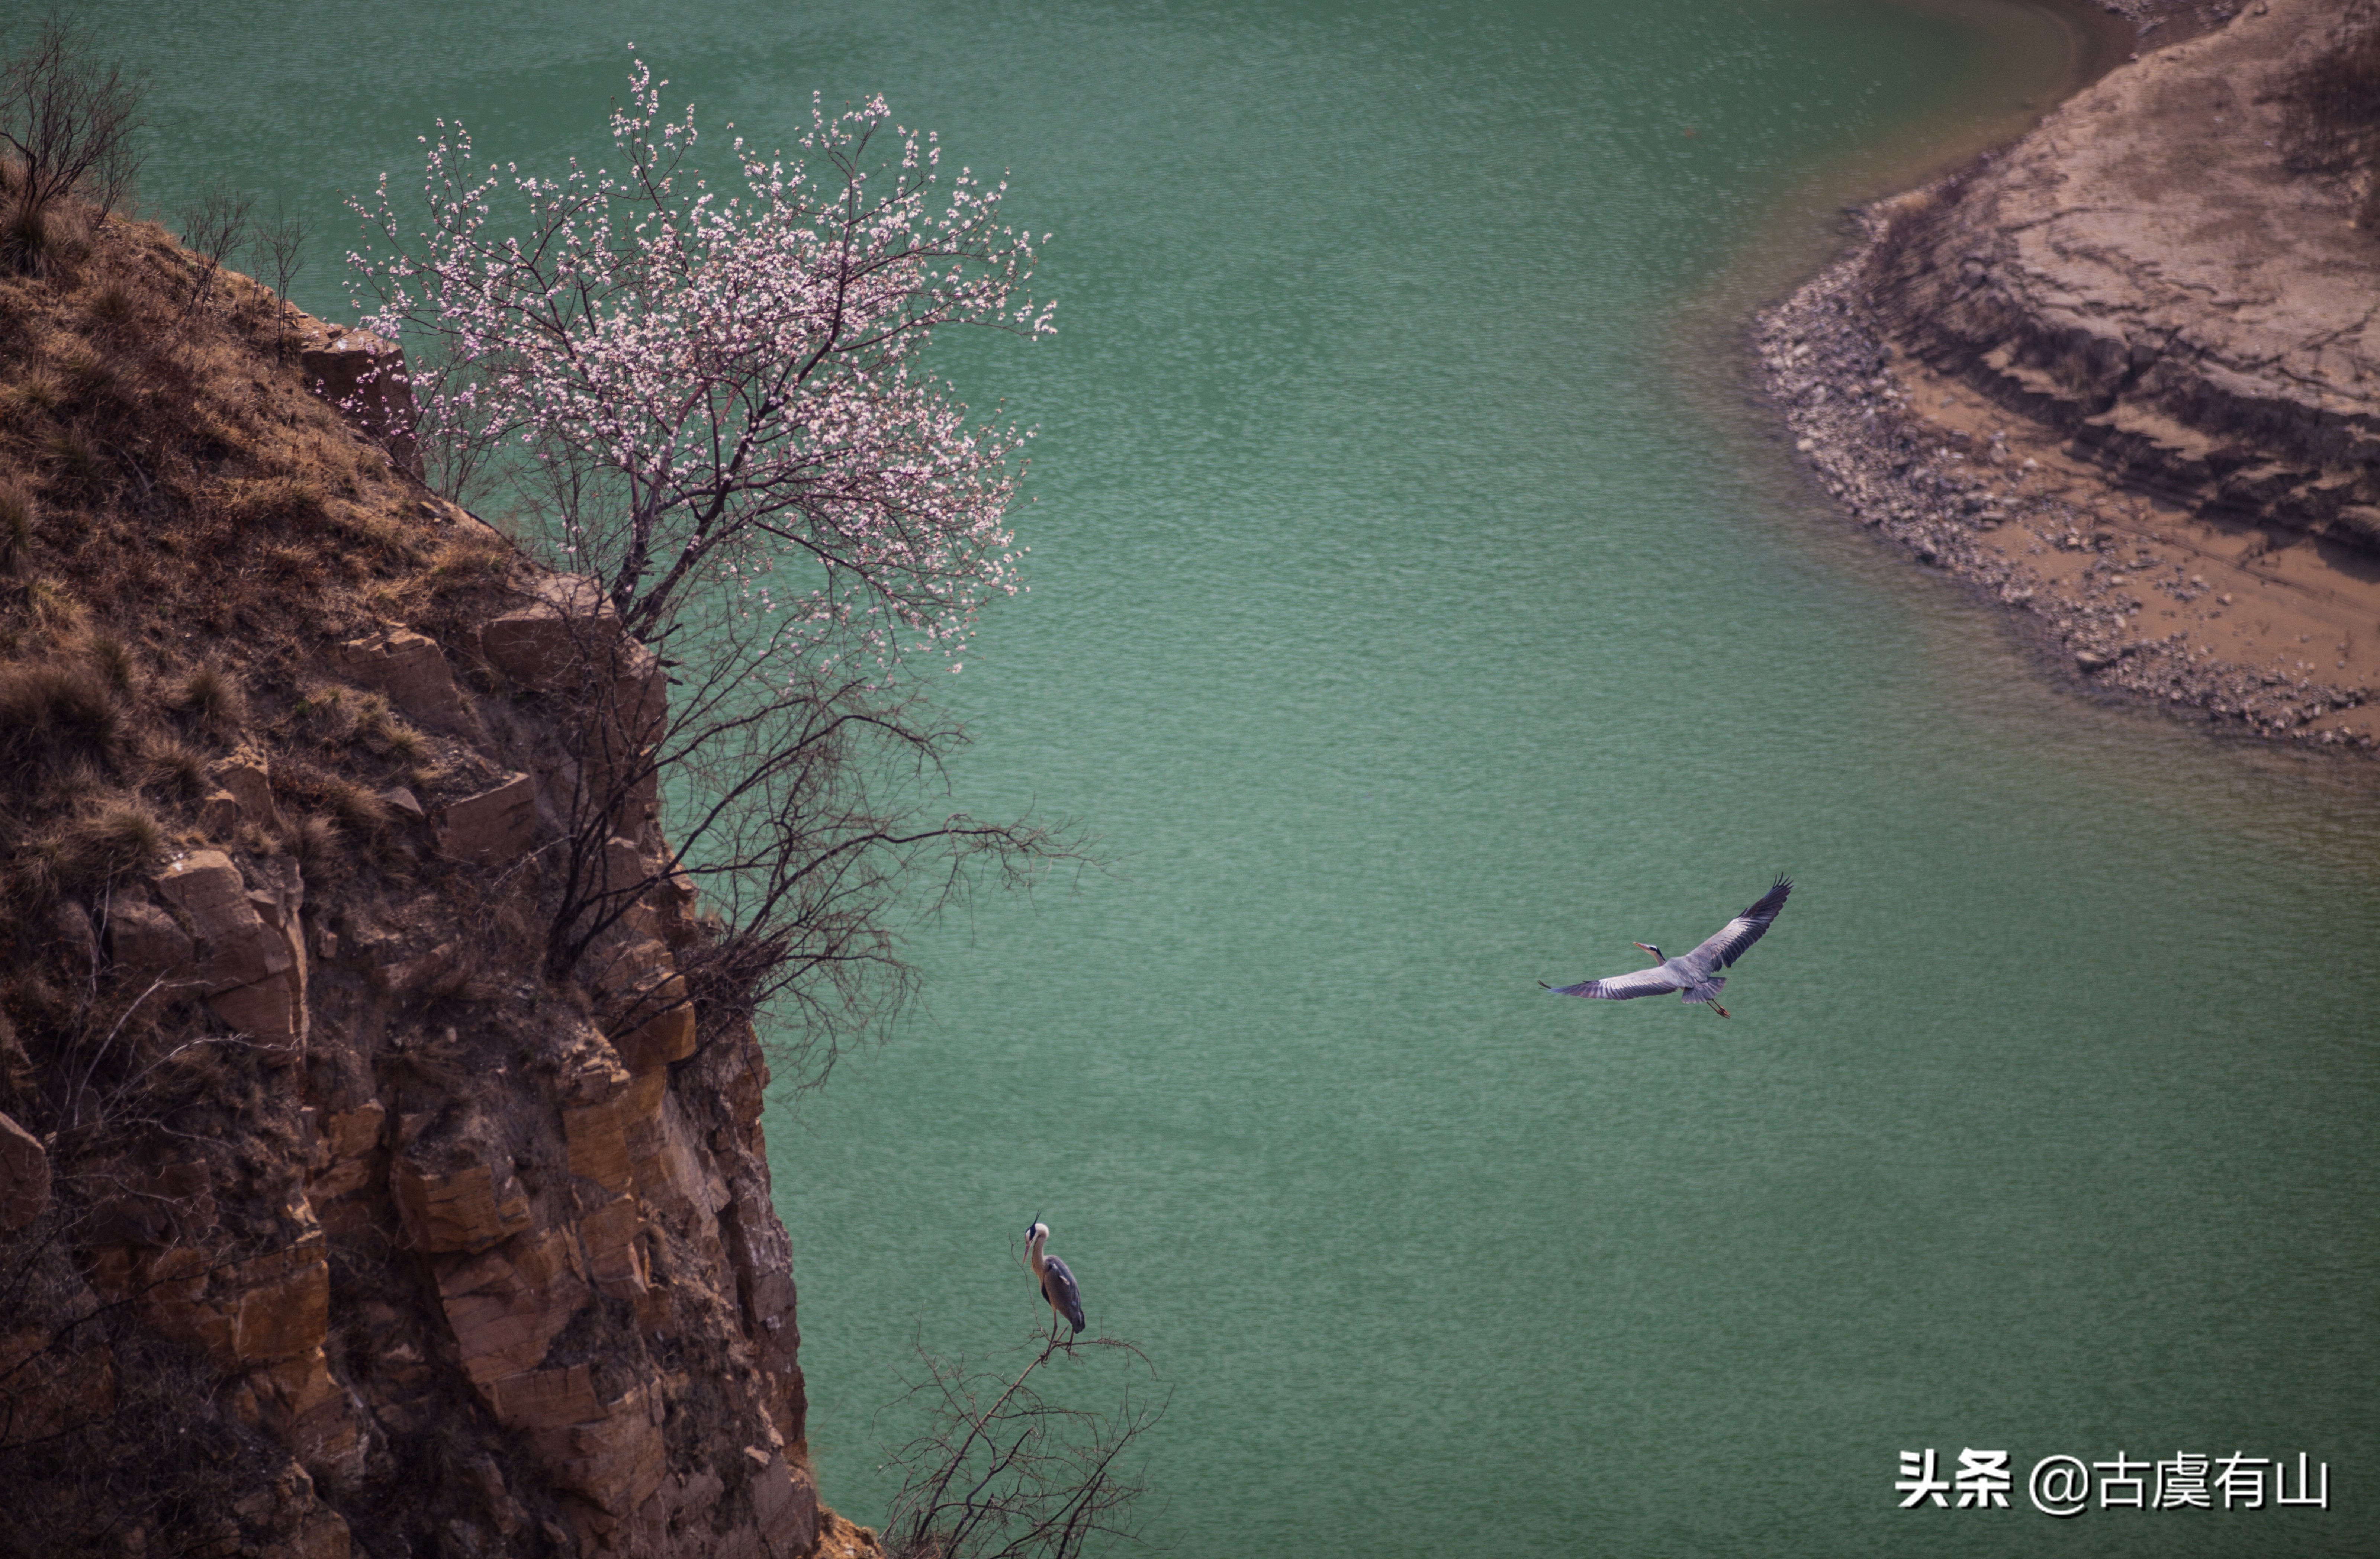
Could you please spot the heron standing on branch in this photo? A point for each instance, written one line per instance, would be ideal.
(1689, 974)
(1057, 1283)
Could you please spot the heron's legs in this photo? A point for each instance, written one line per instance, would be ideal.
(1718, 1009)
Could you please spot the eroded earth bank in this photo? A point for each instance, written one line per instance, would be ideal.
(2122, 374)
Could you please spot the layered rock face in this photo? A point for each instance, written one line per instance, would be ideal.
(529, 1221)
(2118, 375)
(2145, 276)
(340, 1213)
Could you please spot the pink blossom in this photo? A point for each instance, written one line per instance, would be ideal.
(692, 389)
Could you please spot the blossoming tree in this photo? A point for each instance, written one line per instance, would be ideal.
(708, 402)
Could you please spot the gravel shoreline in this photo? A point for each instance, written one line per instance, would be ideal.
(1957, 504)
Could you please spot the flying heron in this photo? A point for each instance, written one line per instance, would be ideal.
(1689, 974)
(1057, 1283)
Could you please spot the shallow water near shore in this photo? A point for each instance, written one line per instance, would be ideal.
(1411, 624)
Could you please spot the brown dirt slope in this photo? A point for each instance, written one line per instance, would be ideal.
(329, 1222)
(2148, 275)
(2125, 375)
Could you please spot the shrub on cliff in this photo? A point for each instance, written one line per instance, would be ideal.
(67, 123)
(710, 401)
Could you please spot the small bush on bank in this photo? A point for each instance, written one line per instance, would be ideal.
(69, 127)
(55, 715)
(176, 767)
(213, 700)
(110, 842)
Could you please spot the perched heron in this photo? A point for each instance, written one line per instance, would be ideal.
(1057, 1283)
(1689, 974)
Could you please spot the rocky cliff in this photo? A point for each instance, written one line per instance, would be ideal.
(332, 1219)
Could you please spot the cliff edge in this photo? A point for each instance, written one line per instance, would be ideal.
(332, 1220)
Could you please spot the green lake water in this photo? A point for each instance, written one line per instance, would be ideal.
(1421, 607)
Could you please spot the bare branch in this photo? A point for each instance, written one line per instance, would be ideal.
(1003, 1471)
(280, 249)
(215, 223)
(68, 125)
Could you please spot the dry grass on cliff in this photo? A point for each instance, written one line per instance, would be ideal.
(182, 527)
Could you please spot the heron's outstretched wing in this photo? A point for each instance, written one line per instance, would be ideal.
(1058, 1288)
(1619, 987)
(1732, 940)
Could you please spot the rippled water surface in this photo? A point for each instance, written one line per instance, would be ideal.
(1419, 611)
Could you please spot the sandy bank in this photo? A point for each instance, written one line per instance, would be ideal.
(2118, 375)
